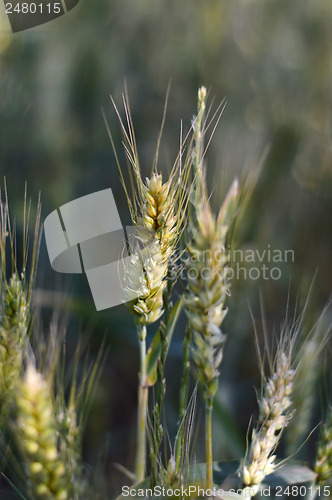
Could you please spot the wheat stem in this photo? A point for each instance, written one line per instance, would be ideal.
(208, 436)
(183, 394)
(142, 406)
(161, 384)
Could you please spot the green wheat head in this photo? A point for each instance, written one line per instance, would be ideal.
(37, 437)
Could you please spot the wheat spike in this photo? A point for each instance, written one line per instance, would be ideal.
(151, 249)
(158, 212)
(157, 208)
(37, 439)
(274, 414)
(13, 337)
(208, 287)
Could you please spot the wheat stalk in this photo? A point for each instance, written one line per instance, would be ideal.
(157, 211)
(205, 300)
(13, 337)
(207, 283)
(15, 302)
(37, 438)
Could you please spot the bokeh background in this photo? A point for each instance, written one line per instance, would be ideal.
(272, 62)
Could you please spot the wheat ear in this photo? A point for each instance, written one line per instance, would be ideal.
(157, 211)
(150, 249)
(207, 283)
(274, 414)
(13, 336)
(205, 299)
(15, 300)
(37, 438)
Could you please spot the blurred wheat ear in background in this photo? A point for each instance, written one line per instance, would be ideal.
(15, 301)
(42, 419)
(37, 438)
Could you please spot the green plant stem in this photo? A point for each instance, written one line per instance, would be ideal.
(183, 395)
(161, 383)
(142, 407)
(208, 436)
(164, 345)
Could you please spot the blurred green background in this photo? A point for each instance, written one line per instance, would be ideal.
(272, 61)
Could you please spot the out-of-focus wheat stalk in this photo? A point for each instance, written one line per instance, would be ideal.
(15, 301)
(37, 439)
(48, 431)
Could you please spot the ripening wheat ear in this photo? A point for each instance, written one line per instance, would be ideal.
(208, 287)
(158, 210)
(37, 438)
(274, 404)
